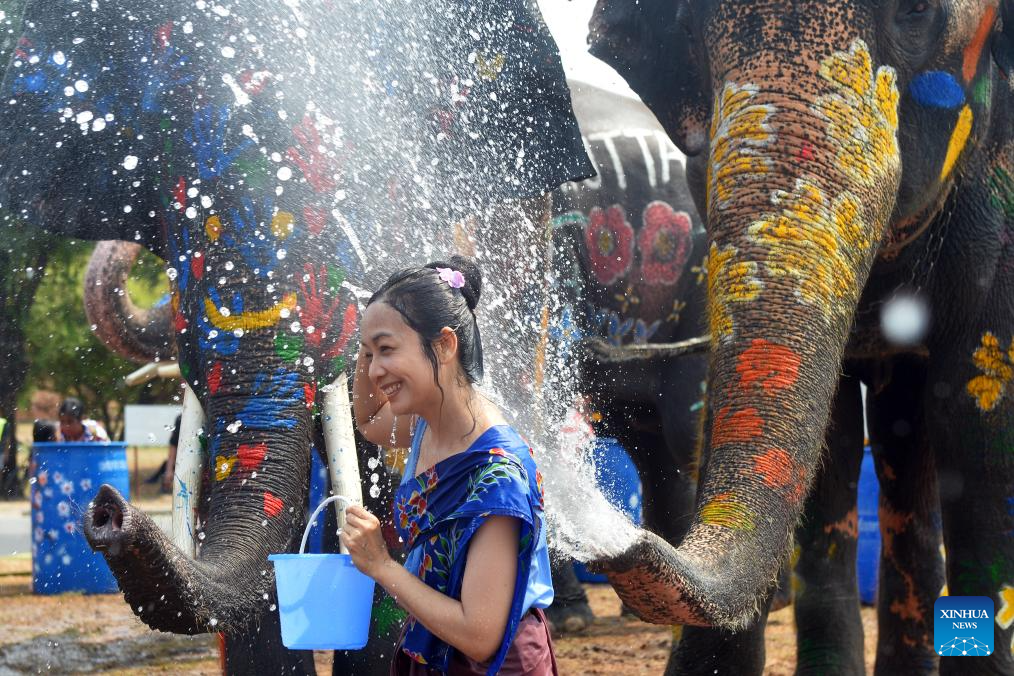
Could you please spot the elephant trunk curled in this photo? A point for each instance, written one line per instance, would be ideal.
(133, 333)
(798, 191)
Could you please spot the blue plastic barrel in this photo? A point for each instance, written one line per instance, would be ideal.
(67, 477)
(868, 554)
(318, 491)
(617, 477)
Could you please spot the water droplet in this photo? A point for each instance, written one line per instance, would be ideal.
(228, 52)
(213, 622)
(130, 162)
(284, 173)
(374, 491)
(81, 86)
(280, 254)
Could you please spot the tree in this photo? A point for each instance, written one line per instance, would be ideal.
(22, 256)
(22, 260)
(64, 354)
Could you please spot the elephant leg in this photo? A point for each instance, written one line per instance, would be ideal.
(911, 567)
(829, 638)
(706, 651)
(570, 611)
(260, 651)
(971, 427)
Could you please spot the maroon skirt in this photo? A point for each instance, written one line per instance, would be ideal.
(530, 654)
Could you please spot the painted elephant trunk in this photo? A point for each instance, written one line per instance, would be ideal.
(799, 188)
(136, 334)
(254, 508)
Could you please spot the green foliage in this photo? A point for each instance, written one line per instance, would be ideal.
(64, 354)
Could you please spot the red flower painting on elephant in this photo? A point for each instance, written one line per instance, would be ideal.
(664, 242)
(610, 243)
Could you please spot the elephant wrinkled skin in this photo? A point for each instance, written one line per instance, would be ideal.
(843, 154)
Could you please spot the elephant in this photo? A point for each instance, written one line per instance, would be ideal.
(628, 252)
(282, 159)
(639, 172)
(853, 163)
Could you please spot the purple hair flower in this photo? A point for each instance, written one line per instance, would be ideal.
(454, 279)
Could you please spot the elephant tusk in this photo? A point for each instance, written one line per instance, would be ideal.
(340, 443)
(187, 475)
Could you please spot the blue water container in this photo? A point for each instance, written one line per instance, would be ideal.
(868, 554)
(617, 477)
(67, 477)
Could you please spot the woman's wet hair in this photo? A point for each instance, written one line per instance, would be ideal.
(427, 303)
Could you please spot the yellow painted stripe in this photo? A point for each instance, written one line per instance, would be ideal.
(959, 137)
(249, 321)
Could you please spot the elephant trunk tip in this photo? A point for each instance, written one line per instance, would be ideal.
(663, 585)
(107, 520)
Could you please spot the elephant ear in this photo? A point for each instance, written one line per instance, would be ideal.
(1003, 40)
(649, 43)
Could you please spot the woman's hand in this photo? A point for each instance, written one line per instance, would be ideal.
(362, 537)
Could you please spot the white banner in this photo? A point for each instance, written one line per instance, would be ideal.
(149, 425)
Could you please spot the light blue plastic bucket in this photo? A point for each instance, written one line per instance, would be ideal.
(324, 602)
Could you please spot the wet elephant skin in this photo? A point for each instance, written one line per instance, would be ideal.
(841, 153)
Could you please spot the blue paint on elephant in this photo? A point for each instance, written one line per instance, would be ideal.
(160, 74)
(251, 235)
(266, 408)
(178, 252)
(937, 89)
(643, 332)
(207, 137)
(566, 333)
(212, 339)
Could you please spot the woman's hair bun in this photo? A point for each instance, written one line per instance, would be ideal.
(473, 278)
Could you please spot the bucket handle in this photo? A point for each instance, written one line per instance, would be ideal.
(313, 517)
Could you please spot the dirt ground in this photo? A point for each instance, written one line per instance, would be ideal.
(73, 633)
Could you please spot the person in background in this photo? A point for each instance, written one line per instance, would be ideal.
(75, 427)
(43, 431)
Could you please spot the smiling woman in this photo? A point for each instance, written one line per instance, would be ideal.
(470, 506)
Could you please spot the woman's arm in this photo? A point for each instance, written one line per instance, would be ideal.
(372, 411)
(474, 625)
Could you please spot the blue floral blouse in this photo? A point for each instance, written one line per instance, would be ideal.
(437, 512)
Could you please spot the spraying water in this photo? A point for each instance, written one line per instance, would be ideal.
(420, 130)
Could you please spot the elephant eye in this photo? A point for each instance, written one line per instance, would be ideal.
(919, 8)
